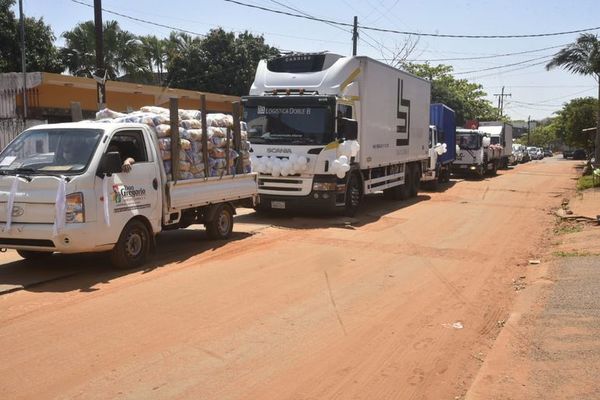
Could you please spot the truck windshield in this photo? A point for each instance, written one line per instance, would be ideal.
(50, 151)
(296, 124)
(468, 141)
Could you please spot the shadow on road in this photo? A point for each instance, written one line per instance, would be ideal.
(373, 208)
(68, 272)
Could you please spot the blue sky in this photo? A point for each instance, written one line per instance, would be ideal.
(534, 91)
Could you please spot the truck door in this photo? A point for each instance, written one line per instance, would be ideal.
(136, 192)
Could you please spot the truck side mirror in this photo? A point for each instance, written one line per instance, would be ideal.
(110, 164)
(486, 142)
(348, 129)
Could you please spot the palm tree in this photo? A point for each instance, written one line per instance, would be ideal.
(582, 57)
(155, 52)
(122, 51)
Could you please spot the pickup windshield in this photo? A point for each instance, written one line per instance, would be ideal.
(468, 141)
(48, 151)
(293, 124)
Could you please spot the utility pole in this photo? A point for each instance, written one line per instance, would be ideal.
(528, 129)
(23, 66)
(501, 97)
(355, 35)
(100, 75)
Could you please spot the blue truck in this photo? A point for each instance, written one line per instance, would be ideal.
(442, 145)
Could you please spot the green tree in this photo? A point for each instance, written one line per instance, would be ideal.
(40, 53)
(123, 52)
(575, 116)
(543, 135)
(465, 98)
(221, 62)
(155, 53)
(583, 57)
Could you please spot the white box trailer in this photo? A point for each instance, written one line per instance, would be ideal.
(501, 133)
(357, 126)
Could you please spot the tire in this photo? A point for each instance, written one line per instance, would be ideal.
(34, 255)
(133, 246)
(353, 195)
(221, 226)
(413, 187)
(494, 170)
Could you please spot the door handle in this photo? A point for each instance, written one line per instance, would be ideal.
(155, 184)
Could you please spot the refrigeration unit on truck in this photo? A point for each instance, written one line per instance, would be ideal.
(442, 145)
(62, 189)
(327, 130)
(476, 155)
(501, 133)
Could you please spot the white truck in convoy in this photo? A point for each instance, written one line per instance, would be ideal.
(501, 133)
(327, 130)
(476, 155)
(62, 189)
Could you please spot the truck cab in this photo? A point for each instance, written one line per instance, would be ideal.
(476, 154)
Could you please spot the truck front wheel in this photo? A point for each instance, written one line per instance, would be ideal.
(353, 195)
(221, 226)
(133, 246)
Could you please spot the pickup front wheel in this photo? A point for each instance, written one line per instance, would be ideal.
(133, 246)
(221, 226)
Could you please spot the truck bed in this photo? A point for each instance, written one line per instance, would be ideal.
(200, 192)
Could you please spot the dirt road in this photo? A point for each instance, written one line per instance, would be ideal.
(402, 302)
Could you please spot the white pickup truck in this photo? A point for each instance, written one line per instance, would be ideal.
(62, 189)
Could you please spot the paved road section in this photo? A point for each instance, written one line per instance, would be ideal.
(401, 302)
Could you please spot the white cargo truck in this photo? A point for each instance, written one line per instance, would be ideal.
(476, 155)
(62, 189)
(501, 133)
(327, 130)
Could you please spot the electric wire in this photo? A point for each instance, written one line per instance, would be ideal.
(414, 33)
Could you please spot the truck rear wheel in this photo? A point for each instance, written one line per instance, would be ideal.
(133, 246)
(221, 226)
(34, 255)
(415, 181)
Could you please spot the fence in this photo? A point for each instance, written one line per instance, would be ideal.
(10, 128)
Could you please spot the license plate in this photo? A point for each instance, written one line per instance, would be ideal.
(278, 204)
(464, 166)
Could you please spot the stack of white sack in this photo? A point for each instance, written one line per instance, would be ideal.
(191, 159)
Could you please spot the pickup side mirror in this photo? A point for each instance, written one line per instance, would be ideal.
(110, 164)
(347, 129)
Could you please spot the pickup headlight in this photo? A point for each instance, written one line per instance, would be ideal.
(324, 186)
(75, 210)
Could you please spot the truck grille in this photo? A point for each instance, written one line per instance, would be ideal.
(298, 186)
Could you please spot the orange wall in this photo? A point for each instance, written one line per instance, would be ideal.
(53, 96)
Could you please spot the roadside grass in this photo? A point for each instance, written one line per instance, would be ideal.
(575, 253)
(585, 182)
(564, 227)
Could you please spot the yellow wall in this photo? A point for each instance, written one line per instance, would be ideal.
(52, 96)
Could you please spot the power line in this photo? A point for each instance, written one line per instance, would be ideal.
(413, 33)
(490, 56)
(514, 69)
(502, 66)
(141, 20)
(336, 26)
